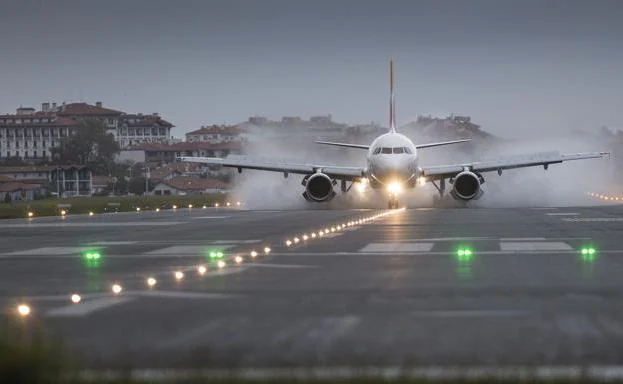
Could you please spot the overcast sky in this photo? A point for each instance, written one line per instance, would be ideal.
(512, 65)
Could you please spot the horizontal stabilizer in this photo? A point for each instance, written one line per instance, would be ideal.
(420, 146)
(347, 145)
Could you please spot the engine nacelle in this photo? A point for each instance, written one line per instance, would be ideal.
(466, 186)
(318, 188)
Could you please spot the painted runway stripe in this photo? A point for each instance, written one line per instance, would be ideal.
(52, 251)
(285, 266)
(210, 217)
(522, 239)
(197, 250)
(438, 239)
(535, 246)
(94, 224)
(593, 219)
(397, 247)
(563, 214)
(86, 308)
(470, 313)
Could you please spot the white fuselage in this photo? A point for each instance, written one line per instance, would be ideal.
(392, 158)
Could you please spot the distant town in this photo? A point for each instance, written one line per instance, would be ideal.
(147, 151)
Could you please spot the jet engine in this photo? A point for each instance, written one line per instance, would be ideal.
(467, 186)
(318, 188)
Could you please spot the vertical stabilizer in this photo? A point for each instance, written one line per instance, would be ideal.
(392, 104)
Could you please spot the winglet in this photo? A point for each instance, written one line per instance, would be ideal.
(392, 105)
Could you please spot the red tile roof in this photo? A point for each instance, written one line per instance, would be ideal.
(55, 120)
(38, 168)
(14, 187)
(85, 109)
(231, 130)
(187, 184)
(187, 146)
(145, 120)
(164, 171)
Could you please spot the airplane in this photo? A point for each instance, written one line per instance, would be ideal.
(392, 164)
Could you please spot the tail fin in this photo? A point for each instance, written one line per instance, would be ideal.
(392, 104)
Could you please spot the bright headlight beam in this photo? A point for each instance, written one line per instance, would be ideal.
(394, 188)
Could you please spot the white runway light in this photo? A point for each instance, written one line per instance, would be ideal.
(253, 254)
(157, 209)
(305, 237)
(179, 275)
(313, 235)
(23, 310)
(296, 240)
(221, 264)
(91, 213)
(238, 259)
(138, 209)
(266, 250)
(75, 298)
(116, 289)
(30, 214)
(151, 282)
(202, 270)
(288, 242)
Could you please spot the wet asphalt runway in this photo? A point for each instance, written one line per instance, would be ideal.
(390, 291)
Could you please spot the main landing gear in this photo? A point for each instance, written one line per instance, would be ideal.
(393, 202)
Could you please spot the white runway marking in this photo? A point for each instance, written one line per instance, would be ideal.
(181, 250)
(563, 214)
(113, 243)
(536, 246)
(593, 219)
(62, 224)
(210, 217)
(185, 295)
(397, 247)
(452, 239)
(285, 266)
(87, 307)
(55, 251)
(470, 313)
(522, 238)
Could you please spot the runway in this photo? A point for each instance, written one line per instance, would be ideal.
(392, 290)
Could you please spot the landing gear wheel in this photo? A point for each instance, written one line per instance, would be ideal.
(393, 203)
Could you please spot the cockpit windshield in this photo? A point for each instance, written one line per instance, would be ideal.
(395, 150)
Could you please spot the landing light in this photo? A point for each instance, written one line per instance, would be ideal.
(23, 309)
(394, 188)
(116, 289)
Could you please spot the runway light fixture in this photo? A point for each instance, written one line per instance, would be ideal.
(296, 240)
(216, 205)
(313, 235)
(63, 212)
(321, 233)
(288, 243)
(31, 214)
(238, 203)
(179, 275)
(221, 264)
(23, 310)
(253, 254)
(589, 253)
(202, 270)
(116, 289)
(138, 209)
(305, 237)
(228, 204)
(204, 206)
(75, 298)
(465, 253)
(174, 206)
(151, 282)
(267, 250)
(157, 209)
(91, 213)
(238, 259)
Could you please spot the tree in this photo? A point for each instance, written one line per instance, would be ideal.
(137, 185)
(90, 144)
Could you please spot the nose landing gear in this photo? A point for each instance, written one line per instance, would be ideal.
(393, 202)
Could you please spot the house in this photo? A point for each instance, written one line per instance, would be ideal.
(17, 191)
(71, 180)
(187, 185)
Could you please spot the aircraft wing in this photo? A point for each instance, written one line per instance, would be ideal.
(539, 159)
(241, 162)
(346, 145)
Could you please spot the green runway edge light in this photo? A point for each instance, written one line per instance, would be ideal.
(216, 254)
(92, 259)
(588, 253)
(465, 253)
